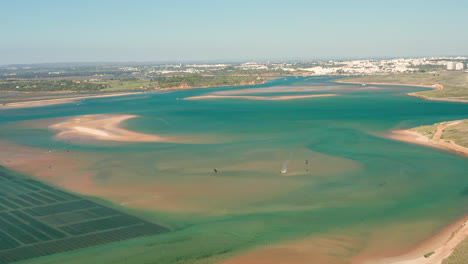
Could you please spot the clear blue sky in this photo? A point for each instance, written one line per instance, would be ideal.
(35, 31)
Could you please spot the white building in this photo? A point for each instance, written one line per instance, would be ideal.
(451, 66)
(459, 66)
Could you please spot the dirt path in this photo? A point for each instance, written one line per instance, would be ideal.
(440, 129)
(449, 144)
(436, 141)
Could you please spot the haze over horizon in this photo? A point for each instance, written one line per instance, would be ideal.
(118, 31)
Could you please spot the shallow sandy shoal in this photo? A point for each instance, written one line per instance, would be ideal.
(103, 127)
(265, 98)
(38, 103)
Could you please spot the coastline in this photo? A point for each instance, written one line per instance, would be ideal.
(441, 245)
(46, 102)
(294, 247)
(106, 127)
(436, 87)
(262, 98)
(74, 99)
(436, 99)
(187, 87)
(414, 137)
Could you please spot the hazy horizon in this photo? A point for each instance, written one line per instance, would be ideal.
(224, 61)
(161, 31)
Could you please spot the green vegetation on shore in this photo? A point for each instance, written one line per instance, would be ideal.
(459, 254)
(455, 84)
(429, 254)
(457, 132)
(203, 81)
(125, 84)
(455, 88)
(43, 85)
(92, 85)
(427, 131)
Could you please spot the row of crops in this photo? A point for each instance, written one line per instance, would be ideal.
(37, 220)
(74, 243)
(67, 218)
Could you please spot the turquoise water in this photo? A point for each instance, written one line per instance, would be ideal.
(355, 180)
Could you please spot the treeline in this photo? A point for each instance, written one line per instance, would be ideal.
(202, 81)
(192, 81)
(229, 71)
(43, 86)
(43, 75)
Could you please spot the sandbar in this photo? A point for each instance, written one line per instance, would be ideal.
(436, 141)
(264, 98)
(434, 86)
(274, 89)
(312, 250)
(38, 103)
(103, 127)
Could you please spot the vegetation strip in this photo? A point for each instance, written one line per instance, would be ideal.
(38, 220)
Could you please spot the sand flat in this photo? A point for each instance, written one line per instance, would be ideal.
(38, 103)
(274, 89)
(264, 98)
(434, 86)
(103, 127)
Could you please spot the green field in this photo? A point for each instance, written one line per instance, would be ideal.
(458, 133)
(459, 255)
(455, 83)
(427, 131)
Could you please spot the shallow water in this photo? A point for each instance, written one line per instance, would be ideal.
(355, 180)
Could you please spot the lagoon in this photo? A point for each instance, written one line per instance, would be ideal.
(349, 192)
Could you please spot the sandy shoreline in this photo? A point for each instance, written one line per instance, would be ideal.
(434, 86)
(46, 102)
(448, 100)
(103, 127)
(445, 242)
(264, 98)
(413, 137)
(416, 94)
(311, 250)
(187, 87)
